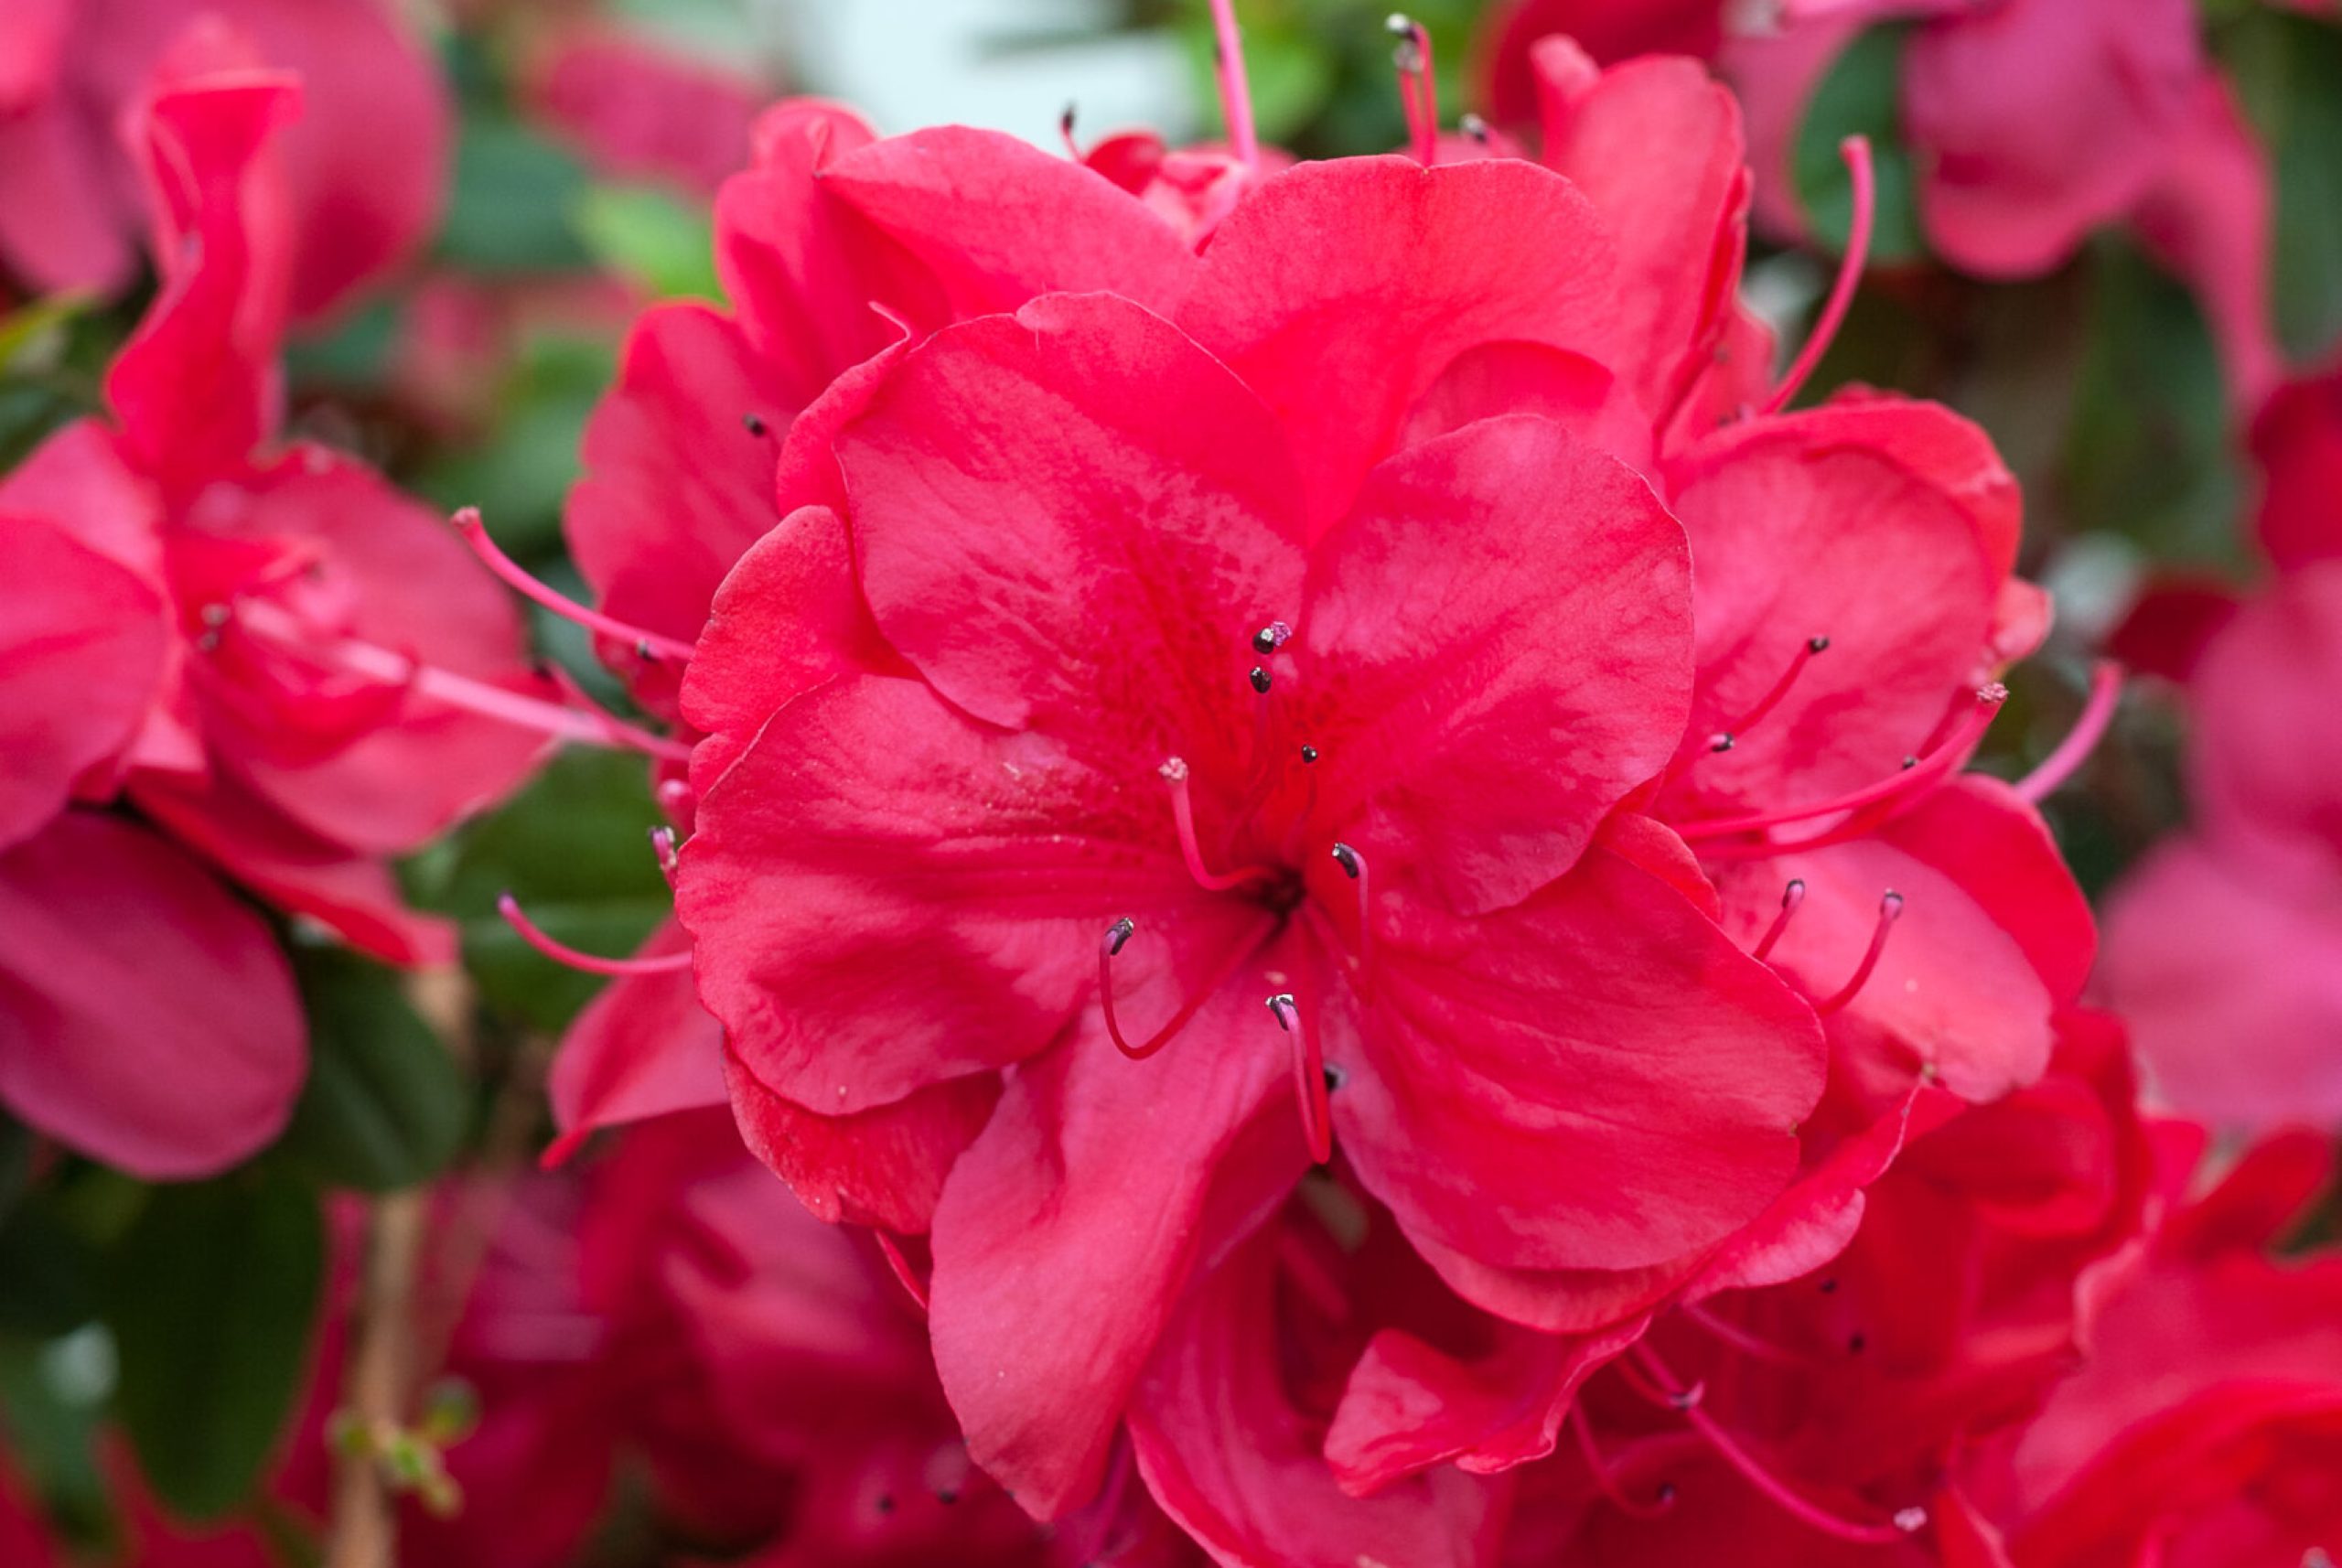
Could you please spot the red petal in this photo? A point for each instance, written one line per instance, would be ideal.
(1227, 1455)
(149, 1019)
(999, 222)
(885, 895)
(1340, 292)
(884, 1167)
(644, 1047)
(1596, 1079)
(82, 648)
(1482, 710)
(1067, 1230)
(1074, 518)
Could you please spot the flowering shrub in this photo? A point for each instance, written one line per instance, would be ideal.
(1374, 859)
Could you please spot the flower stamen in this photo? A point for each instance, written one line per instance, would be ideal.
(646, 645)
(1117, 936)
(1308, 1078)
(2097, 713)
(590, 963)
(1750, 1469)
(1183, 815)
(1913, 775)
(1890, 909)
(1353, 864)
(1792, 896)
(1418, 89)
(1605, 1479)
(1855, 150)
(1235, 92)
(1726, 738)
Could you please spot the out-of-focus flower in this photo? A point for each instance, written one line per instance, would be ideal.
(1825, 1418)
(2225, 945)
(365, 172)
(282, 663)
(2031, 123)
(636, 110)
(2205, 1429)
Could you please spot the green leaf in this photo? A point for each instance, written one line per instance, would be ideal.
(666, 246)
(2148, 453)
(384, 1106)
(211, 1296)
(2288, 70)
(574, 848)
(510, 209)
(49, 1269)
(1861, 95)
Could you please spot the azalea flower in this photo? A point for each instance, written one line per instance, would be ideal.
(1829, 1418)
(365, 173)
(1096, 817)
(285, 666)
(2222, 943)
(2205, 1424)
(2030, 123)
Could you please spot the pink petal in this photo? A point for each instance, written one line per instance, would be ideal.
(1607, 1081)
(81, 646)
(1069, 1227)
(1340, 292)
(149, 1018)
(1481, 711)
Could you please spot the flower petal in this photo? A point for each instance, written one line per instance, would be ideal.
(1594, 1079)
(1067, 1230)
(1482, 707)
(147, 1016)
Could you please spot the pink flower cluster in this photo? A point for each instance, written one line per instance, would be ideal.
(1334, 843)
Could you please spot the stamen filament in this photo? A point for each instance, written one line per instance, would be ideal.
(377, 664)
(561, 953)
(1183, 815)
(1938, 761)
(1890, 909)
(2097, 713)
(1750, 1345)
(1235, 92)
(1751, 1470)
(1418, 88)
(1309, 1079)
(1354, 863)
(662, 844)
(1604, 1479)
(1792, 896)
(1120, 933)
(1771, 699)
(649, 644)
(1855, 150)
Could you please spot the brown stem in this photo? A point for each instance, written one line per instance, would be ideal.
(376, 1386)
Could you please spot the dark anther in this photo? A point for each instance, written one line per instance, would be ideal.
(756, 425)
(1666, 1492)
(644, 651)
(1259, 679)
(885, 1502)
(1817, 645)
(1308, 754)
(1335, 1078)
(1118, 933)
(1830, 1286)
(1721, 741)
(1065, 121)
(947, 1496)
(1264, 642)
(1282, 1005)
(1857, 1343)
(1910, 762)
(1347, 857)
(1475, 127)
